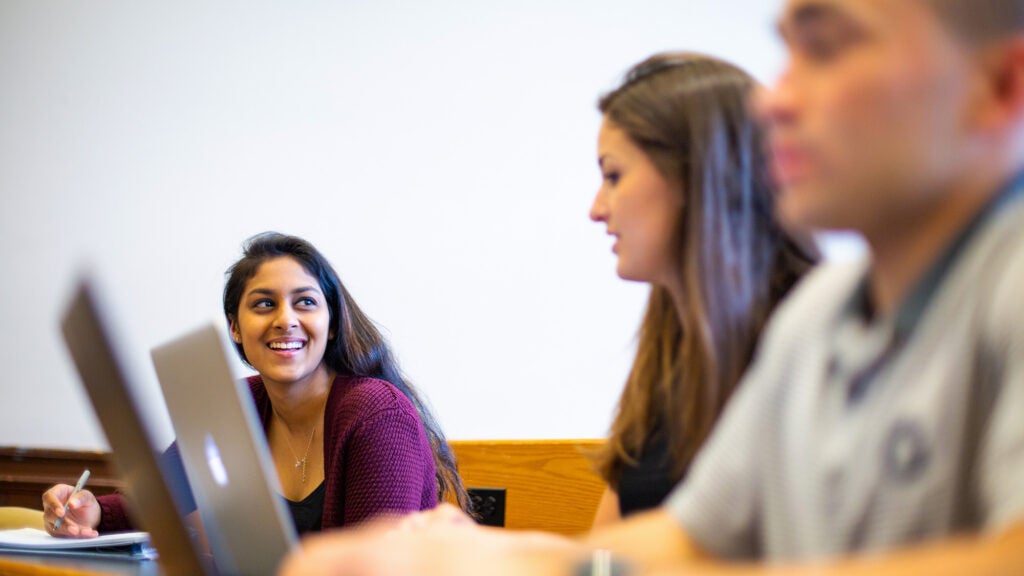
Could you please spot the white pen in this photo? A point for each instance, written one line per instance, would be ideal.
(78, 488)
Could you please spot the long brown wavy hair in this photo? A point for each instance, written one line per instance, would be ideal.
(357, 349)
(690, 114)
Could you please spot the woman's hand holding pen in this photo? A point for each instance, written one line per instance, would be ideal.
(83, 514)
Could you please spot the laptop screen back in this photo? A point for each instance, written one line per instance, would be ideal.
(225, 451)
(100, 360)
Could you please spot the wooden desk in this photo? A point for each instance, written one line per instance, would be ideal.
(17, 564)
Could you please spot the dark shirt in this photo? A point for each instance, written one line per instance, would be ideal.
(645, 485)
(308, 514)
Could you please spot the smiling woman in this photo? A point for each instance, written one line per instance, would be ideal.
(319, 357)
(282, 320)
(350, 438)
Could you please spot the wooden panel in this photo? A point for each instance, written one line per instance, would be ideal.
(550, 484)
(25, 473)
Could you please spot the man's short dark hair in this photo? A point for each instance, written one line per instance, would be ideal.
(979, 21)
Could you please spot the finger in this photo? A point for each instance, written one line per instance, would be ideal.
(60, 491)
(53, 529)
(54, 497)
(83, 531)
(64, 527)
(448, 507)
(69, 529)
(84, 498)
(453, 514)
(321, 554)
(411, 521)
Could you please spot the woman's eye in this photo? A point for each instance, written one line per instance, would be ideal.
(611, 178)
(306, 302)
(264, 303)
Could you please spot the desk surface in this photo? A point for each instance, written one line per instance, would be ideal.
(18, 564)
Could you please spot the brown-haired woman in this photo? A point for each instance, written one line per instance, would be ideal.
(687, 197)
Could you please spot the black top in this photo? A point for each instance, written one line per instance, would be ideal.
(308, 514)
(646, 485)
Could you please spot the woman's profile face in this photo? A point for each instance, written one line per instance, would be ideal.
(638, 206)
(283, 322)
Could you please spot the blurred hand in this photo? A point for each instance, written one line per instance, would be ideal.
(431, 543)
(83, 514)
(443, 514)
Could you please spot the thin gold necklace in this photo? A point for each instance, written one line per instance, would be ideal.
(301, 463)
(305, 457)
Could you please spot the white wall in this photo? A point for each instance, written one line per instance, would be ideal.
(441, 154)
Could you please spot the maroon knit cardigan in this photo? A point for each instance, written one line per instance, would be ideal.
(376, 455)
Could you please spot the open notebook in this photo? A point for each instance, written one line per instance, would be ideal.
(133, 545)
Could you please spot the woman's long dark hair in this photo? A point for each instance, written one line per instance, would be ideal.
(690, 114)
(358, 348)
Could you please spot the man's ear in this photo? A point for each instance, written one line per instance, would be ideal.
(1003, 67)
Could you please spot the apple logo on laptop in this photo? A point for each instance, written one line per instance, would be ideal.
(213, 459)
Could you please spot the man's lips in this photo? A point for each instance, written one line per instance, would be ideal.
(615, 240)
(790, 163)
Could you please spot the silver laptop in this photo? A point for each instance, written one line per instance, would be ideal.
(225, 452)
(100, 358)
